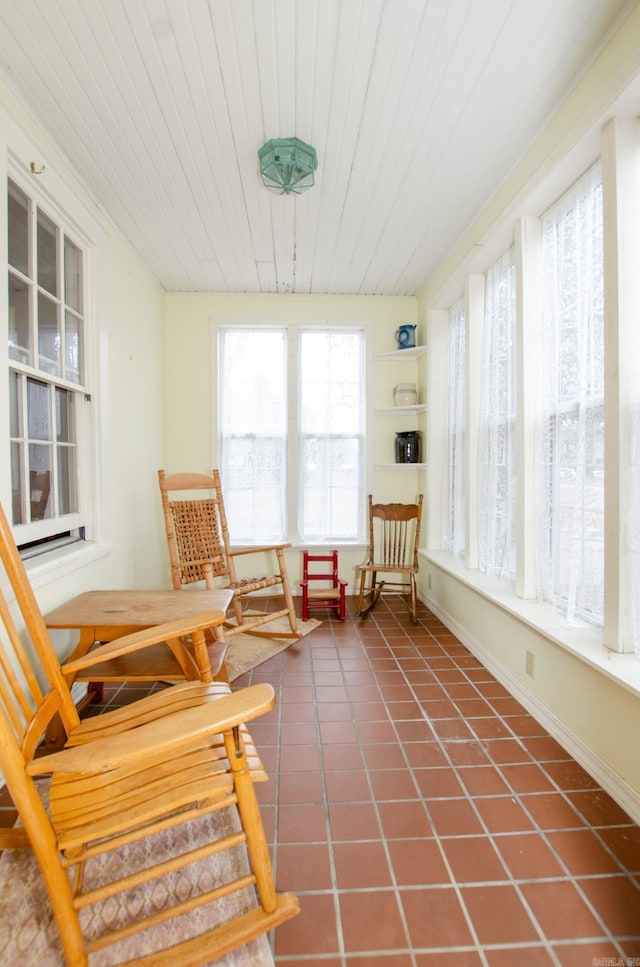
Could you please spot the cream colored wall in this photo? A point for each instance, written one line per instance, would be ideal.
(136, 421)
(594, 716)
(190, 381)
(131, 405)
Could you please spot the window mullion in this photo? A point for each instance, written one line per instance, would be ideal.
(62, 300)
(24, 449)
(33, 288)
(293, 401)
(291, 447)
(437, 443)
(621, 195)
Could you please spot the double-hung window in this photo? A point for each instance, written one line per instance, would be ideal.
(570, 406)
(291, 432)
(47, 383)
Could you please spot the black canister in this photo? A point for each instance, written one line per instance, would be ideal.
(408, 445)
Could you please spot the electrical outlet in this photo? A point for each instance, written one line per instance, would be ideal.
(529, 664)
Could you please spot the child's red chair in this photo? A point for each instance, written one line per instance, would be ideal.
(327, 597)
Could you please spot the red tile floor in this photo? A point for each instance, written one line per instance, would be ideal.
(424, 818)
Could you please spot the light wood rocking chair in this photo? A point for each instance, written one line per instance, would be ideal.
(394, 532)
(200, 550)
(127, 777)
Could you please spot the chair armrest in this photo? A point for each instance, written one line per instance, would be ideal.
(174, 733)
(256, 550)
(141, 639)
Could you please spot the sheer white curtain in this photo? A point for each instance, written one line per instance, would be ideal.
(331, 435)
(634, 524)
(453, 529)
(570, 419)
(252, 390)
(496, 441)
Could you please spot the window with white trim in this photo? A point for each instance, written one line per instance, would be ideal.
(47, 381)
(570, 407)
(497, 430)
(291, 431)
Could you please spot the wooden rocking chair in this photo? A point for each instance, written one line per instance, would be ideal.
(200, 550)
(394, 532)
(128, 777)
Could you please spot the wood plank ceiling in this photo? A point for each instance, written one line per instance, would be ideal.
(418, 109)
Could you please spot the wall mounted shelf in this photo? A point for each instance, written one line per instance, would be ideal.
(399, 466)
(418, 408)
(414, 353)
(411, 355)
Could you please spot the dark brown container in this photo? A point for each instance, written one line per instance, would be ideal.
(408, 446)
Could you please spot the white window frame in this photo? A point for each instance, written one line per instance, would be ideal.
(617, 144)
(41, 182)
(498, 421)
(293, 329)
(569, 598)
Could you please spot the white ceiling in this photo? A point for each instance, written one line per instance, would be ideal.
(418, 109)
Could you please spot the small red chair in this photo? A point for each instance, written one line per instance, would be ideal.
(326, 597)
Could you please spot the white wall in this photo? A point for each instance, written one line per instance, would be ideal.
(587, 697)
(136, 422)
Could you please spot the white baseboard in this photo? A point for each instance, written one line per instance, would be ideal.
(619, 790)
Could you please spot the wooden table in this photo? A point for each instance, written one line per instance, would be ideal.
(102, 616)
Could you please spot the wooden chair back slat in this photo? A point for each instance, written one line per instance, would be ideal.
(17, 649)
(394, 533)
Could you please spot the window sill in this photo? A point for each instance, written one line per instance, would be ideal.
(327, 546)
(580, 640)
(399, 466)
(56, 564)
(296, 545)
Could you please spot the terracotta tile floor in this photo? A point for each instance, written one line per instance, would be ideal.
(424, 818)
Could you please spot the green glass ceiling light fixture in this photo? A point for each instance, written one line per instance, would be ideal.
(287, 165)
